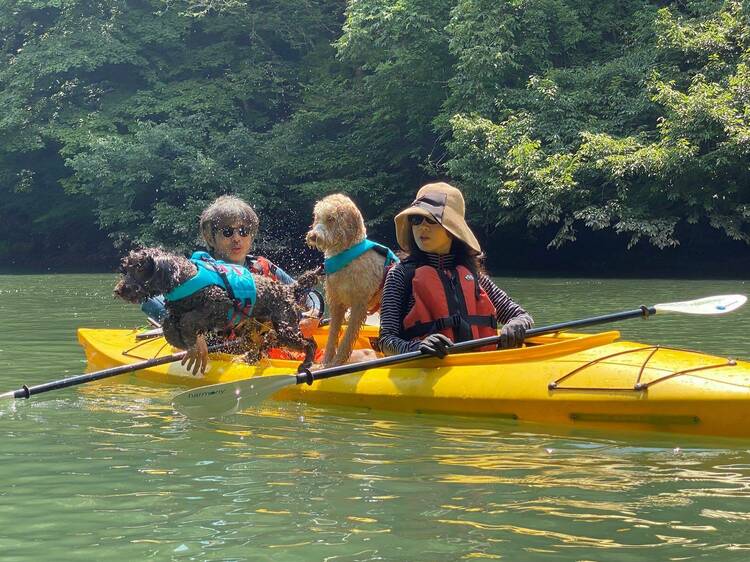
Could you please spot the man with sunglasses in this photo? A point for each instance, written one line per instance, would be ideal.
(228, 227)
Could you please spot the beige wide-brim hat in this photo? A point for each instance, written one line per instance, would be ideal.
(443, 203)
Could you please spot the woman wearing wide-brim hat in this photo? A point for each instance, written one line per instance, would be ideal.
(439, 295)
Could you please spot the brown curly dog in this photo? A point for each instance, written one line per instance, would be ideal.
(274, 319)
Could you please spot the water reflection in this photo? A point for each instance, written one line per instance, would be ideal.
(109, 471)
(334, 481)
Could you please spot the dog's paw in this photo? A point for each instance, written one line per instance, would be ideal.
(249, 358)
(359, 355)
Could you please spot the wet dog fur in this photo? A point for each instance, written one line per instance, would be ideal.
(337, 226)
(275, 317)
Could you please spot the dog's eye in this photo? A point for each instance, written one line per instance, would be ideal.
(330, 219)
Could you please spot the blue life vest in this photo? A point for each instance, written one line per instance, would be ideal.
(340, 261)
(236, 280)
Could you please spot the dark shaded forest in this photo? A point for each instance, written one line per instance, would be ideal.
(600, 138)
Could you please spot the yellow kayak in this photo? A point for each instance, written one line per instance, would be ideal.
(594, 380)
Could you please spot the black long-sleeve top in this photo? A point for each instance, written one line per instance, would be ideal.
(398, 300)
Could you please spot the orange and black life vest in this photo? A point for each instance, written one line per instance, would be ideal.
(449, 302)
(261, 266)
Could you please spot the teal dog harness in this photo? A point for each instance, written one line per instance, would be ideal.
(340, 261)
(236, 280)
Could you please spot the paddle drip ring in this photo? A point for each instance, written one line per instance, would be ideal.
(645, 311)
(302, 370)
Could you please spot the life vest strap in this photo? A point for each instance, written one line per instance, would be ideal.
(240, 311)
(215, 272)
(227, 285)
(421, 328)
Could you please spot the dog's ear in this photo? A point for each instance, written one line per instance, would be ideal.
(146, 266)
(355, 224)
(163, 272)
(135, 269)
(125, 262)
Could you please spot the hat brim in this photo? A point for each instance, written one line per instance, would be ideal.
(450, 222)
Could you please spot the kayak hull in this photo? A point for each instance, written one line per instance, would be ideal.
(591, 380)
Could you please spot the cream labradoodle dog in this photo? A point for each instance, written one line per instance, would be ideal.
(355, 268)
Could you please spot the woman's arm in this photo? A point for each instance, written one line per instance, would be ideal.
(392, 314)
(264, 266)
(282, 276)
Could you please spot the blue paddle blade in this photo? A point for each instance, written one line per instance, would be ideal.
(222, 399)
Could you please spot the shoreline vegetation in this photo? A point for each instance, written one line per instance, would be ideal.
(589, 138)
(584, 260)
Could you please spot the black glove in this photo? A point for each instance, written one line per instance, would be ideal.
(511, 335)
(436, 345)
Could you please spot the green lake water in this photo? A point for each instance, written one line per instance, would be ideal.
(111, 472)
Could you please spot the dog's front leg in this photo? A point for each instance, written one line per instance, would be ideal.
(334, 330)
(357, 317)
(310, 348)
(172, 332)
(291, 337)
(192, 323)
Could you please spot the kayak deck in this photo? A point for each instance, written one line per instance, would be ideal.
(566, 378)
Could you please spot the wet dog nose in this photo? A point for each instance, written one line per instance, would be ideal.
(312, 236)
(122, 292)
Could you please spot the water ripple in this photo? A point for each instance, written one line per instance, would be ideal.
(110, 472)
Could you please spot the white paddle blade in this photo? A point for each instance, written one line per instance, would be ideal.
(719, 304)
(373, 319)
(217, 400)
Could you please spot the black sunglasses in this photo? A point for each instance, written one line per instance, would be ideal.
(416, 220)
(228, 231)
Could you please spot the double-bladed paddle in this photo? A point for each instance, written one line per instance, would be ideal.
(226, 398)
(28, 391)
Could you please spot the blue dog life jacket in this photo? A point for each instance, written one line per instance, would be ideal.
(236, 280)
(340, 261)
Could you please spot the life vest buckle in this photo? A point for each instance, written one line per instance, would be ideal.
(448, 322)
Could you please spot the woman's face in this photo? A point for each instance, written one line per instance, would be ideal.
(429, 236)
(232, 243)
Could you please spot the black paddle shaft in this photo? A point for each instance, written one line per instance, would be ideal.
(28, 391)
(308, 377)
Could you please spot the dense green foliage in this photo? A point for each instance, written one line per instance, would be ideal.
(628, 116)
(145, 111)
(121, 119)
